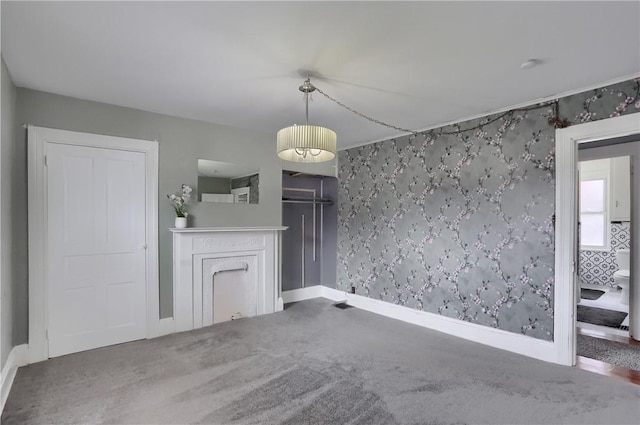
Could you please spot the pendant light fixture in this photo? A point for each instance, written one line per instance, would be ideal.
(306, 142)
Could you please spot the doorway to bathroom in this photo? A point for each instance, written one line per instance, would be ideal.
(606, 230)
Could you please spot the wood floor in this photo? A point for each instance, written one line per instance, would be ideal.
(602, 368)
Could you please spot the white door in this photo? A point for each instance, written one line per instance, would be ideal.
(96, 283)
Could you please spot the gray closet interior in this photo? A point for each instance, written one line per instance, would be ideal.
(309, 245)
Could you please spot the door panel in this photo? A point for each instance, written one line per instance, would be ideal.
(312, 235)
(291, 248)
(300, 246)
(96, 237)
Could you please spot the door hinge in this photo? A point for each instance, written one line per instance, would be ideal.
(45, 160)
(46, 334)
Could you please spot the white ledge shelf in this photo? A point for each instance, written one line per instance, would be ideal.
(227, 229)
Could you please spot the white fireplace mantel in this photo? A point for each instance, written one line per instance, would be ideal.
(228, 229)
(194, 247)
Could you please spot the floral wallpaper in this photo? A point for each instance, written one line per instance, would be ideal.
(252, 182)
(598, 267)
(458, 220)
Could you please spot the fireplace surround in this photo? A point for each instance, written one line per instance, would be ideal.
(199, 254)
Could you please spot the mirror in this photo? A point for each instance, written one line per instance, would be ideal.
(224, 182)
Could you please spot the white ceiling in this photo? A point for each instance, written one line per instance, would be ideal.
(412, 64)
(224, 170)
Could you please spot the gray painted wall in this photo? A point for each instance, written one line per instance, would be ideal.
(7, 254)
(182, 142)
(213, 185)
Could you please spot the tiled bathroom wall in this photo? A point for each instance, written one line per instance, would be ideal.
(598, 267)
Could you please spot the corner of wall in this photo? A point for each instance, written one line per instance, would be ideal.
(485, 335)
(7, 138)
(18, 357)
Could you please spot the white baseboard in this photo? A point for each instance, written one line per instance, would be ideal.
(19, 356)
(166, 326)
(302, 294)
(509, 341)
(335, 294)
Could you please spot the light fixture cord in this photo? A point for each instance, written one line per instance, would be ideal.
(373, 120)
(553, 121)
(306, 101)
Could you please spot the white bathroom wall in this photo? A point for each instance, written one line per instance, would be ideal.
(594, 166)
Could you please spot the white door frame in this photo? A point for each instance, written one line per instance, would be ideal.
(38, 138)
(567, 141)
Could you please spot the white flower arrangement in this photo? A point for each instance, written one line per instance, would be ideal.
(179, 201)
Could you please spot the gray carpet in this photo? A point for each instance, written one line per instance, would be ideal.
(611, 352)
(601, 316)
(313, 364)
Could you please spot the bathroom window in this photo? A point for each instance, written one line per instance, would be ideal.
(594, 229)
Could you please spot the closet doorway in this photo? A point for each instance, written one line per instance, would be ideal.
(309, 245)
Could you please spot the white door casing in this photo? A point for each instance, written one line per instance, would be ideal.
(122, 240)
(567, 140)
(96, 240)
(630, 149)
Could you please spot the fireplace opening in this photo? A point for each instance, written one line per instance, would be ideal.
(229, 293)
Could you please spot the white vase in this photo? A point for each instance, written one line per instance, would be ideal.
(181, 222)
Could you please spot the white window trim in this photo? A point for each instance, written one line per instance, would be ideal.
(599, 175)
